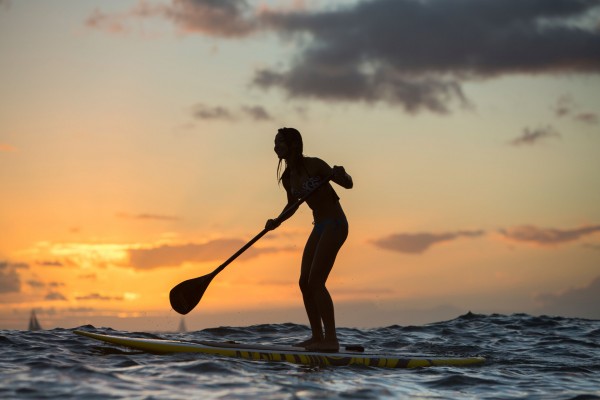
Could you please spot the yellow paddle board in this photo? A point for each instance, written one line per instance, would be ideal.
(289, 354)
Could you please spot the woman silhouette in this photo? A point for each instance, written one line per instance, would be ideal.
(301, 175)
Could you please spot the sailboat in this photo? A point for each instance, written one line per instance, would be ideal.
(182, 327)
(34, 324)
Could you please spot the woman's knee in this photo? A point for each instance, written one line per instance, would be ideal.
(303, 283)
(313, 288)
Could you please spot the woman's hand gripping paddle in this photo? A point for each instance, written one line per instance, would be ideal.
(185, 296)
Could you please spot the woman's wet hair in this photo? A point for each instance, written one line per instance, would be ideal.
(293, 139)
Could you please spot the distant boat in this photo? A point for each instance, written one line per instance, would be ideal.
(182, 327)
(34, 324)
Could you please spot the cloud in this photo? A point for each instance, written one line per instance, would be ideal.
(112, 23)
(9, 278)
(205, 112)
(531, 137)
(414, 54)
(216, 18)
(36, 284)
(418, 53)
(55, 296)
(314, 79)
(547, 236)
(224, 18)
(175, 255)
(417, 243)
(9, 281)
(50, 263)
(566, 106)
(5, 265)
(258, 113)
(98, 296)
(589, 118)
(144, 216)
(582, 302)
(202, 111)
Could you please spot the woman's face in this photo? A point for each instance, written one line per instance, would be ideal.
(281, 147)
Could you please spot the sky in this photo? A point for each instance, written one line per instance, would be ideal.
(136, 151)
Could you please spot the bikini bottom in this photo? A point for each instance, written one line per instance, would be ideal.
(336, 222)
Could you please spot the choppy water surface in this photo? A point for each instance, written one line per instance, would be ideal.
(528, 358)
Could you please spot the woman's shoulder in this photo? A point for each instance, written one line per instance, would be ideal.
(316, 165)
(315, 162)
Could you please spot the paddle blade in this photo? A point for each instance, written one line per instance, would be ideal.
(185, 296)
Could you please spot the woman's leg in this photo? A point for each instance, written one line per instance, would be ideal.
(329, 244)
(312, 310)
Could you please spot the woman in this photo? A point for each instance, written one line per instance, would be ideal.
(301, 175)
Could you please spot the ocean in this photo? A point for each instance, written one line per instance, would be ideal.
(528, 357)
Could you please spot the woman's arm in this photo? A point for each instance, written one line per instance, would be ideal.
(338, 173)
(341, 177)
(291, 201)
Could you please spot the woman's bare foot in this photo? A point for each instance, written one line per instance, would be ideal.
(306, 342)
(327, 345)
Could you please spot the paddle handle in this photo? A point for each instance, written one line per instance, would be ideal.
(262, 233)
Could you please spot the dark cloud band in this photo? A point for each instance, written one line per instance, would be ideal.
(415, 54)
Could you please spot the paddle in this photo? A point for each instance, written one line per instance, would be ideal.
(185, 296)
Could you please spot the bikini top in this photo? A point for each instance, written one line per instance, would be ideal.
(308, 186)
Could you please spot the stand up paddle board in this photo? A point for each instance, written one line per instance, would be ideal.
(289, 354)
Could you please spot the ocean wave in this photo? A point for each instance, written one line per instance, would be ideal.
(527, 357)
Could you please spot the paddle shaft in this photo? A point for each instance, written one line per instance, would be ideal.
(262, 233)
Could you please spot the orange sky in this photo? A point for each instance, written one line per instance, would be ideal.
(136, 151)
